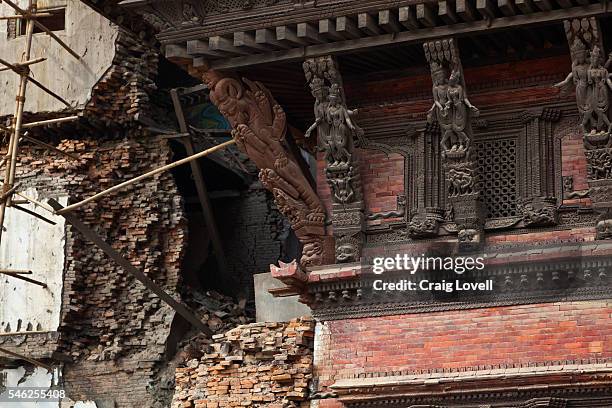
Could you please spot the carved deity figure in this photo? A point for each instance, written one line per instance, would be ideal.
(320, 93)
(578, 76)
(341, 127)
(599, 80)
(342, 186)
(460, 179)
(332, 122)
(457, 109)
(592, 82)
(440, 95)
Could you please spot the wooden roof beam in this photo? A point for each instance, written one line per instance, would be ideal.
(224, 44)
(201, 48)
(526, 6)
(327, 29)
(347, 27)
(309, 33)
(387, 20)
(266, 36)
(507, 7)
(246, 40)
(446, 12)
(407, 18)
(426, 14)
(367, 24)
(545, 5)
(486, 8)
(406, 37)
(466, 10)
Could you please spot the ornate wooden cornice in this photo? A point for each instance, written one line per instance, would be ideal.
(519, 275)
(546, 386)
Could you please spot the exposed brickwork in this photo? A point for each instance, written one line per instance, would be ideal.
(124, 89)
(252, 233)
(113, 329)
(257, 365)
(452, 340)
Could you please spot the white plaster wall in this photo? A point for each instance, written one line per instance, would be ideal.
(40, 378)
(89, 34)
(32, 244)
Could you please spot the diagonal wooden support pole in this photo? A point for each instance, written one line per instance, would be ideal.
(209, 218)
(20, 71)
(23, 278)
(128, 267)
(48, 146)
(28, 359)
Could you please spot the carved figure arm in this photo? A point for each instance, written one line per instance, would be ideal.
(608, 62)
(474, 109)
(566, 82)
(312, 127)
(347, 119)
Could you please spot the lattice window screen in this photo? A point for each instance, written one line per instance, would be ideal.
(497, 167)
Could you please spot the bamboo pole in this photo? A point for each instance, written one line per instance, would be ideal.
(35, 202)
(49, 122)
(17, 271)
(144, 176)
(20, 71)
(36, 15)
(22, 64)
(23, 333)
(9, 174)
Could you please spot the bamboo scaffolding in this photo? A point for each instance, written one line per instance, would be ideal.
(16, 271)
(13, 146)
(23, 64)
(27, 14)
(144, 176)
(49, 122)
(23, 72)
(35, 202)
(17, 17)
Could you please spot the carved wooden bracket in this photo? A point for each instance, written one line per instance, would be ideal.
(453, 111)
(590, 78)
(335, 127)
(259, 128)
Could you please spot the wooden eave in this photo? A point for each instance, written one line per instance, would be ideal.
(287, 33)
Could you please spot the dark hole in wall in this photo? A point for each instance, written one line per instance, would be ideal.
(55, 22)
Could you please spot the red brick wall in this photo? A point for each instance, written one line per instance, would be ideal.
(537, 333)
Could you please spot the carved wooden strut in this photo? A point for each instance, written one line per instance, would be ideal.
(259, 128)
(453, 112)
(336, 128)
(591, 80)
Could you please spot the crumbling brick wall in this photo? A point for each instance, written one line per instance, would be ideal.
(124, 90)
(113, 330)
(257, 365)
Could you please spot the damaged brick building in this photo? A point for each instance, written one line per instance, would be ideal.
(348, 137)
